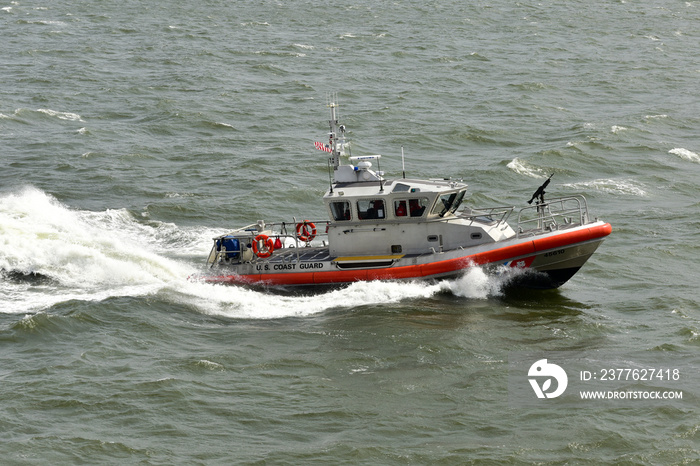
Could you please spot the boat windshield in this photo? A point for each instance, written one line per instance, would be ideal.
(368, 209)
(340, 210)
(449, 202)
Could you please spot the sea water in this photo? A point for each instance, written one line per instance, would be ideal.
(133, 134)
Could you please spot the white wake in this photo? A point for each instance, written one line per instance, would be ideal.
(93, 256)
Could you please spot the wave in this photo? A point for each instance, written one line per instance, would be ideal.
(86, 255)
(610, 186)
(61, 115)
(22, 113)
(50, 254)
(523, 168)
(685, 154)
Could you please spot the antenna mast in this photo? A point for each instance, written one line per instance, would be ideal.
(403, 164)
(335, 141)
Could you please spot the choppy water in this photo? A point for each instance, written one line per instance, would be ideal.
(131, 135)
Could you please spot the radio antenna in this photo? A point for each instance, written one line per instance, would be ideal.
(330, 177)
(403, 164)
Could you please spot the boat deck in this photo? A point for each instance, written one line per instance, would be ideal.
(310, 254)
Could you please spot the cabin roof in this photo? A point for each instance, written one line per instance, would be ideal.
(409, 187)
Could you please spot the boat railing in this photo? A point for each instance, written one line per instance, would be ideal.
(295, 229)
(494, 215)
(289, 236)
(552, 215)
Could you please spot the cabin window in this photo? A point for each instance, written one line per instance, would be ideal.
(340, 210)
(410, 207)
(400, 208)
(368, 209)
(400, 188)
(448, 203)
(416, 207)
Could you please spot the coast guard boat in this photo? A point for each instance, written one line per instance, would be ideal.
(406, 229)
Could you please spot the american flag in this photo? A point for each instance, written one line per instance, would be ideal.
(323, 147)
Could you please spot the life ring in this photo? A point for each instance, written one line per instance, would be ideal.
(306, 231)
(263, 246)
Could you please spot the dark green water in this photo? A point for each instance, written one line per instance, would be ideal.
(130, 136)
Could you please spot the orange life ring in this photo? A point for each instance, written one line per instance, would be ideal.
(263, 246)
(306, 231)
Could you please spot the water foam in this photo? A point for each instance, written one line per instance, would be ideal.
(477, 284)
(237, 302)
(610, 186)
(61, 115)
(522, 168)
(685, 154)
(93, 256)
(86, 255)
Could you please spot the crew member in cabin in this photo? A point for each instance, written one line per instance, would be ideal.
(401, 209)
(415, 207)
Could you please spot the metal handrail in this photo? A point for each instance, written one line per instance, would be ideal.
(275, 230)
(551, 215)
(490, 214)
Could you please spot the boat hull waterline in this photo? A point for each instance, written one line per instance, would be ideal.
(556, 256)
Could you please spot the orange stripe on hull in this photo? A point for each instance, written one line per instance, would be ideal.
(578, 236)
